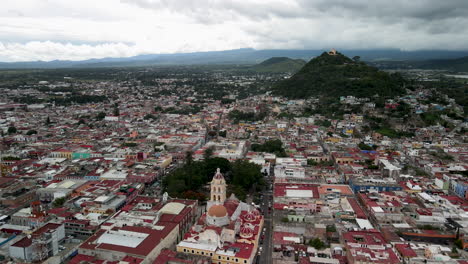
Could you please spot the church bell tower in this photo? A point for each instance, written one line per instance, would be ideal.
(218, 188)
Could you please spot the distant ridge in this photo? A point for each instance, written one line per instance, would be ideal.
(459, 65)
(332, 75)
(238, 56)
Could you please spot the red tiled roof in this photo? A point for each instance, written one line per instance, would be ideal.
(405, 250)
(167, 256)
(357, 208)
(143, 249)
(23, 243)
(364, 237)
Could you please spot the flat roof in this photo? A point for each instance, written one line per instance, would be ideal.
(122, 238)
(172, 208)
(155, 236)
(299, 193)
(377, 209)
(323, 260)
(197, 246)
(364, 223)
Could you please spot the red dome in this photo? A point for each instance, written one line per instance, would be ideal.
(246, 231)
(250, 216)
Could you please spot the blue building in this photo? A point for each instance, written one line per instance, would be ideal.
(380, 185)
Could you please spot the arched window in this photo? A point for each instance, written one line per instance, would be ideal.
(219, 197)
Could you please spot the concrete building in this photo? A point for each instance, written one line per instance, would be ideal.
(40, 245)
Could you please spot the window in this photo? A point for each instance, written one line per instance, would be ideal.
(185, 250)
(193, 251)
(245, 261)
(219, 257)
(227, 258)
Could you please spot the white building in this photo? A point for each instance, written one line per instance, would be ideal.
(40, 245)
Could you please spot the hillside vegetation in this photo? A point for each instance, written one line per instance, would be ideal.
(331, 76)
(279, 64)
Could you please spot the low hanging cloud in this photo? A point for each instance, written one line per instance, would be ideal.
(48, 30)
(46, 50)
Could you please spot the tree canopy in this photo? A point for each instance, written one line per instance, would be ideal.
(331, 76)
(274, 146)
(241, 176)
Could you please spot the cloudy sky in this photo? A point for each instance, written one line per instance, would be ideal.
(83, 29)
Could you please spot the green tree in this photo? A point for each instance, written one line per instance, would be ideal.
(324, 123)
(364, 146)
(116, 111)
(238, 191)
(208, 153)
(331, 228)
(188, 158)
(12, 130)
(31, 132)
(158, 108)
(271, 146)
(100, 115)
(59, 202)
(316, 243)
(149, 116)
(212, 164)
(246, 174)
(459, 243)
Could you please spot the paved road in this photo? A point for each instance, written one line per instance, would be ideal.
(267, 246)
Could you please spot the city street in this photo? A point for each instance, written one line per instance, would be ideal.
(267, 210)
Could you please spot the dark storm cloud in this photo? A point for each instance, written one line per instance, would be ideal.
(427, 10)
(36, 29)
(430, 17)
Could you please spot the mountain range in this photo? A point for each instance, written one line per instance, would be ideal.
(239, 56)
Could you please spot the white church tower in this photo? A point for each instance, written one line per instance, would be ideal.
(217, 214)
(218, 188)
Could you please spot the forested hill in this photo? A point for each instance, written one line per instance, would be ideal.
(331, 76)
(280, 64)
